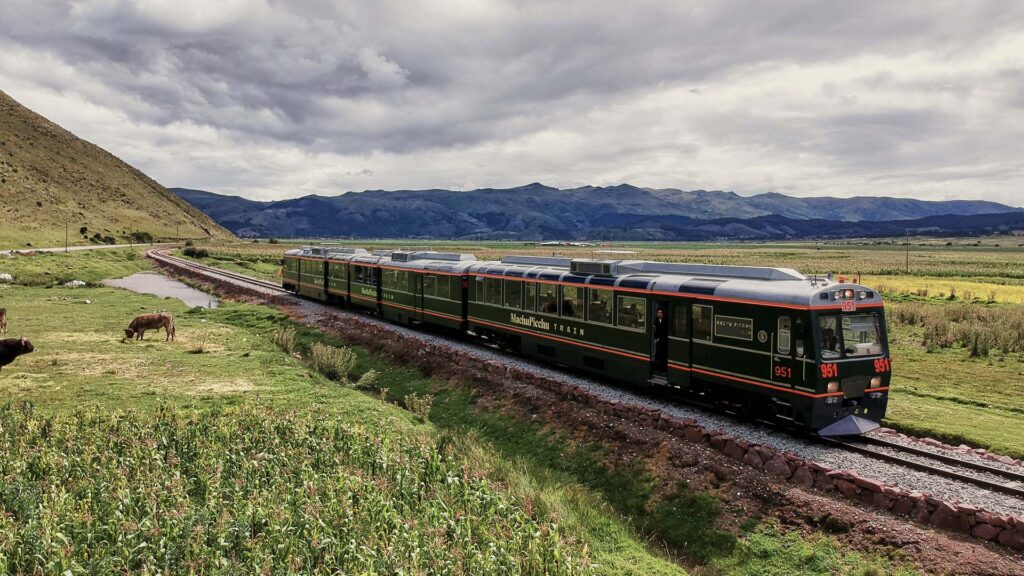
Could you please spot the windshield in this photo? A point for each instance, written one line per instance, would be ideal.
(849, 336)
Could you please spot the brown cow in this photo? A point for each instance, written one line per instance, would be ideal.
(138, 327)
(11, 348)
(3, 320)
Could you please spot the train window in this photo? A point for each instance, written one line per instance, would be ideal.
(599, 306)
(572, 303)
(455, 288)
(429, 285)
(513, 294)
(783, 345)
(360, 274)
(548, 300)
(632, 313)
(679, 323)
(444, 287)
(830, 347)
(476, 290)
(492, 291)
(860, 335)
(530, 296)
(703, 321)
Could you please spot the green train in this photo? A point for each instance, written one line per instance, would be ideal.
(766, 342)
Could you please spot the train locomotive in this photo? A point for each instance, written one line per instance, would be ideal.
(767, 342)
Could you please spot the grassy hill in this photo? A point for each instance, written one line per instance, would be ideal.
(49, 178)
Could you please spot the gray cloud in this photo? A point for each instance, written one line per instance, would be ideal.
(272, 99)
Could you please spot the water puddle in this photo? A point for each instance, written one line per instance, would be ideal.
(160, 285)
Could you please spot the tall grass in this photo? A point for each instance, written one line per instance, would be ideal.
(252, 490)
(978, 329)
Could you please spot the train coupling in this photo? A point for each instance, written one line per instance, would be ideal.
(849, 426)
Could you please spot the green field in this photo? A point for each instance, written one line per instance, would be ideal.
(208, 454)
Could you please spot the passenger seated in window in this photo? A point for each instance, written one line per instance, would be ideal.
(599, 310)
(567, 308)
(829, 343)
(550, 304)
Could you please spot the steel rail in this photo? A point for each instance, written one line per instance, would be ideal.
(860, 446)
(213, 271)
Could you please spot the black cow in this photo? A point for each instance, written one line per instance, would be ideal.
(11, 348)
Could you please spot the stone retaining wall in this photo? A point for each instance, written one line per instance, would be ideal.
(979, 523)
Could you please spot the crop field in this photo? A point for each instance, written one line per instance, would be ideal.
(224, 453)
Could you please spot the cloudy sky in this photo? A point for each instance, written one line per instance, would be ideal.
(270, 99)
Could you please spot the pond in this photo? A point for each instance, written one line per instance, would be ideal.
(160, 285)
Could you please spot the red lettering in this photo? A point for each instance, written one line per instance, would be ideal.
(829, 371)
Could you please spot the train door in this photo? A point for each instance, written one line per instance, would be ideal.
(417, 294)
(679, 344)
(660, 329)
(702, 321)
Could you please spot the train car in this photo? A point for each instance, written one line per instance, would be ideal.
(425, 288)
(764, 341)
(303, 271)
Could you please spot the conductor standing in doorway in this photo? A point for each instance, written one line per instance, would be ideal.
(660, 341)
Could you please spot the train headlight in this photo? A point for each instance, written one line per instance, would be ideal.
(876, 381)
(848, 293)
(833, 387)
(862, 294)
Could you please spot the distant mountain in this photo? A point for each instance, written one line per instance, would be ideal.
(50, 179)
(539, 212)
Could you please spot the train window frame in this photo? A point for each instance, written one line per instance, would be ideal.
(513, 286)
(576, 311)
(784, 333)
(680, 318)
(609, 305)
(530, 296)
(430, 285)
(709, 335)
(640, 323)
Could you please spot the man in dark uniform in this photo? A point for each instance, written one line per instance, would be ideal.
(660, 341)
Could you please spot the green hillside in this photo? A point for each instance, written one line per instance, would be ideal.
(50, 179)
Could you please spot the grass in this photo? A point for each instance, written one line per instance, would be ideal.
(940, 390)
(56, 268)
(616, 517)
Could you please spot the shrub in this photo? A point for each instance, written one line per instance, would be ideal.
(284, 337)
(189, 243)
(419, 405)
(193, 252)
(334, 363)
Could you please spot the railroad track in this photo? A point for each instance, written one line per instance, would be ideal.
(963, 471)
(966, 471)
(160, 255)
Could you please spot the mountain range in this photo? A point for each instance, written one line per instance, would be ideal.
(52, 182)
(623, 212)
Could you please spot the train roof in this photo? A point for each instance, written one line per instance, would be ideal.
(327, 251)
(783, 286)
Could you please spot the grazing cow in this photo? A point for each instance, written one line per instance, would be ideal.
(3, 320)
(138, 327)
(11, 348)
